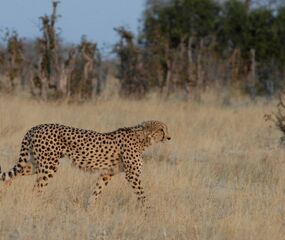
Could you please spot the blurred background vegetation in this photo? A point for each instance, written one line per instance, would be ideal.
(183, 48)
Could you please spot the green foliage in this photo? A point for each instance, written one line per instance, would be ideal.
(230, 26)
(182, 18)
(233, 25)
(231, 22)
(279, 28)
(260, 34)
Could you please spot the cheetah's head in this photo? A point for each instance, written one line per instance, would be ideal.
(156, 131)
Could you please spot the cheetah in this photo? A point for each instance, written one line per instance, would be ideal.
(107, 153)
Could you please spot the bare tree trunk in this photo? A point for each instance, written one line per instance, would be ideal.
(95, 82)
(10, 82)
(44, 87)
(181, 67)
(165, 86)
(169, 77)
(32, 84)
(235, 65)
(191, 76)
(63, 83)
(252, 75)
(199, 72)
(88, 78)
(247, 4)
(49, 48)
(69, 68)
(54, 47)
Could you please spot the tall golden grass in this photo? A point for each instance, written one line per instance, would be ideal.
(221, 177)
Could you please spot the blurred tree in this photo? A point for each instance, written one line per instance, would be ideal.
(130, 69)
(184, 46)
(185, 36)
(279, 28)
(47, 71)
(233, 24)
(179, 34)
(12, 59)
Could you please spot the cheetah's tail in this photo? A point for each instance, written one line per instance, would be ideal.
(6, 176)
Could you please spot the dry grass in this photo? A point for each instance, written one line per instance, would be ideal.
(221, 177)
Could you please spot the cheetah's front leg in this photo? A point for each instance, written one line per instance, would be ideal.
(102, 182)
(135, 182)
(133, 171)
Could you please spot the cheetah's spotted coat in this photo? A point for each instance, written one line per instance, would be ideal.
(109, 153)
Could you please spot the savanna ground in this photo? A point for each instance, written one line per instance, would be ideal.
(221, 177)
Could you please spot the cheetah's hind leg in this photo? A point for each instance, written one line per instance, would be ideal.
(28, 169)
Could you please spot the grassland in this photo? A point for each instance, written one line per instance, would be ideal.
(221, 177)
